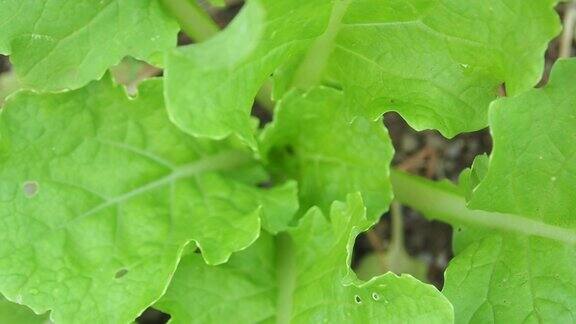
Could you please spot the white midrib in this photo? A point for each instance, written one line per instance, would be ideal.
(309, 73)
(451, 208)
(219, 162)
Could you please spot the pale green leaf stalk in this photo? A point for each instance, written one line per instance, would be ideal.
(301, 276)
(193, 20)
(515, 241)
(394, 257)
(531, 172)
(217, 3)
(100, 193)
(218, 79)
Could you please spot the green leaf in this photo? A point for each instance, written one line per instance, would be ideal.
(100, 193)
(532, 164)
(510, 277)
(301, 276)
(312, 141)
(64, 44)
(438, 63)
(18, 314)
(218, 79)
(471, 177)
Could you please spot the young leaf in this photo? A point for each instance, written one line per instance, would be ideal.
(301, 276)
(438, 63)
(100, 193)
(218, 79)
(64, 44)
(311, 141)
(499, 276)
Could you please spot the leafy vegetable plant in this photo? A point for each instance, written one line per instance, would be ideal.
(177, 198)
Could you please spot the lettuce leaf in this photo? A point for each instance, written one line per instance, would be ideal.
(100, 193)
(503, 276)
(301, 276)
(64, 44)
(311, 140)
(438, 63)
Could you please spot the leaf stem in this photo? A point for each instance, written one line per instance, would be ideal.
(223, 161)
(569, 24)
(397, 225)
(286, 277)
(194, 21)
(443, 202)
(199, 26)
(310, 70)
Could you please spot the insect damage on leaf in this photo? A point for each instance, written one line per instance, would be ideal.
(531, 173)
(64, 44)
(174, 198)
(118, 192)
(302, 276)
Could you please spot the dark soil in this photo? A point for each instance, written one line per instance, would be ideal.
(431, 155)
(435, 157)
(4, 64)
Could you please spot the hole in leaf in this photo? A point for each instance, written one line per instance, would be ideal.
(357, 299)
(121, 273)
(30, 188)
(153, 316)
(502, 90)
